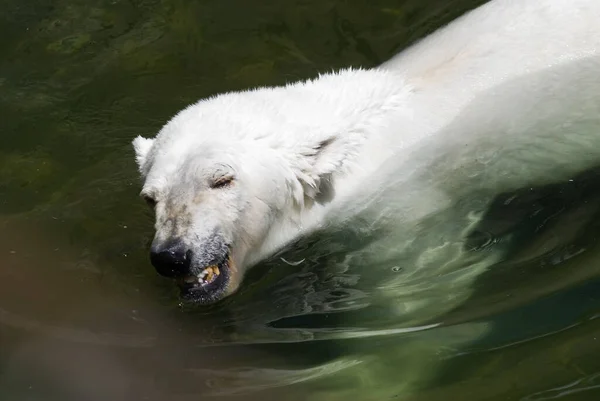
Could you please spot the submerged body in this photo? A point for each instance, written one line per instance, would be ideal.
(503, 98)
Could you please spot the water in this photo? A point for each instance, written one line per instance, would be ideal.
(83, 316)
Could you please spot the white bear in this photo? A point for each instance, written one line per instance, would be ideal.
(505, 97)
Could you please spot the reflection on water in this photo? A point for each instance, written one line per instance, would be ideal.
(84, 317)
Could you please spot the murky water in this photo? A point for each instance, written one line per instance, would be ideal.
(83, 316)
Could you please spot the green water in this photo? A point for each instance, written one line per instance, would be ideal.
(83, 315)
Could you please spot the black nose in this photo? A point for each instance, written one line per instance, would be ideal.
(172, 260)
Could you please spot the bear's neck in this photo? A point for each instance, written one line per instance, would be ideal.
(372, 115)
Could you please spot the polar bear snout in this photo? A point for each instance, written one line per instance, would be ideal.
(172, 259)
(204, 270)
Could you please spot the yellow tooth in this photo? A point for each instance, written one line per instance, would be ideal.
(216, 270)
(209, 275)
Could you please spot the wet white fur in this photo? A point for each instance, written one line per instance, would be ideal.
(459, 86)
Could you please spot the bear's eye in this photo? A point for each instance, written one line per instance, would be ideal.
(150, 201)
(222, 182)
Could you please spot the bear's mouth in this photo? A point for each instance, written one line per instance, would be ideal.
(207, 286)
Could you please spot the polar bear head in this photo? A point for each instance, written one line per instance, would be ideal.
(234, 177)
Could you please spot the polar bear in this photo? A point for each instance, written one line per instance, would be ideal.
(503, 98)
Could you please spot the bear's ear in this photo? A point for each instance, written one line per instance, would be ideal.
(317, 165)
(141, 146)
